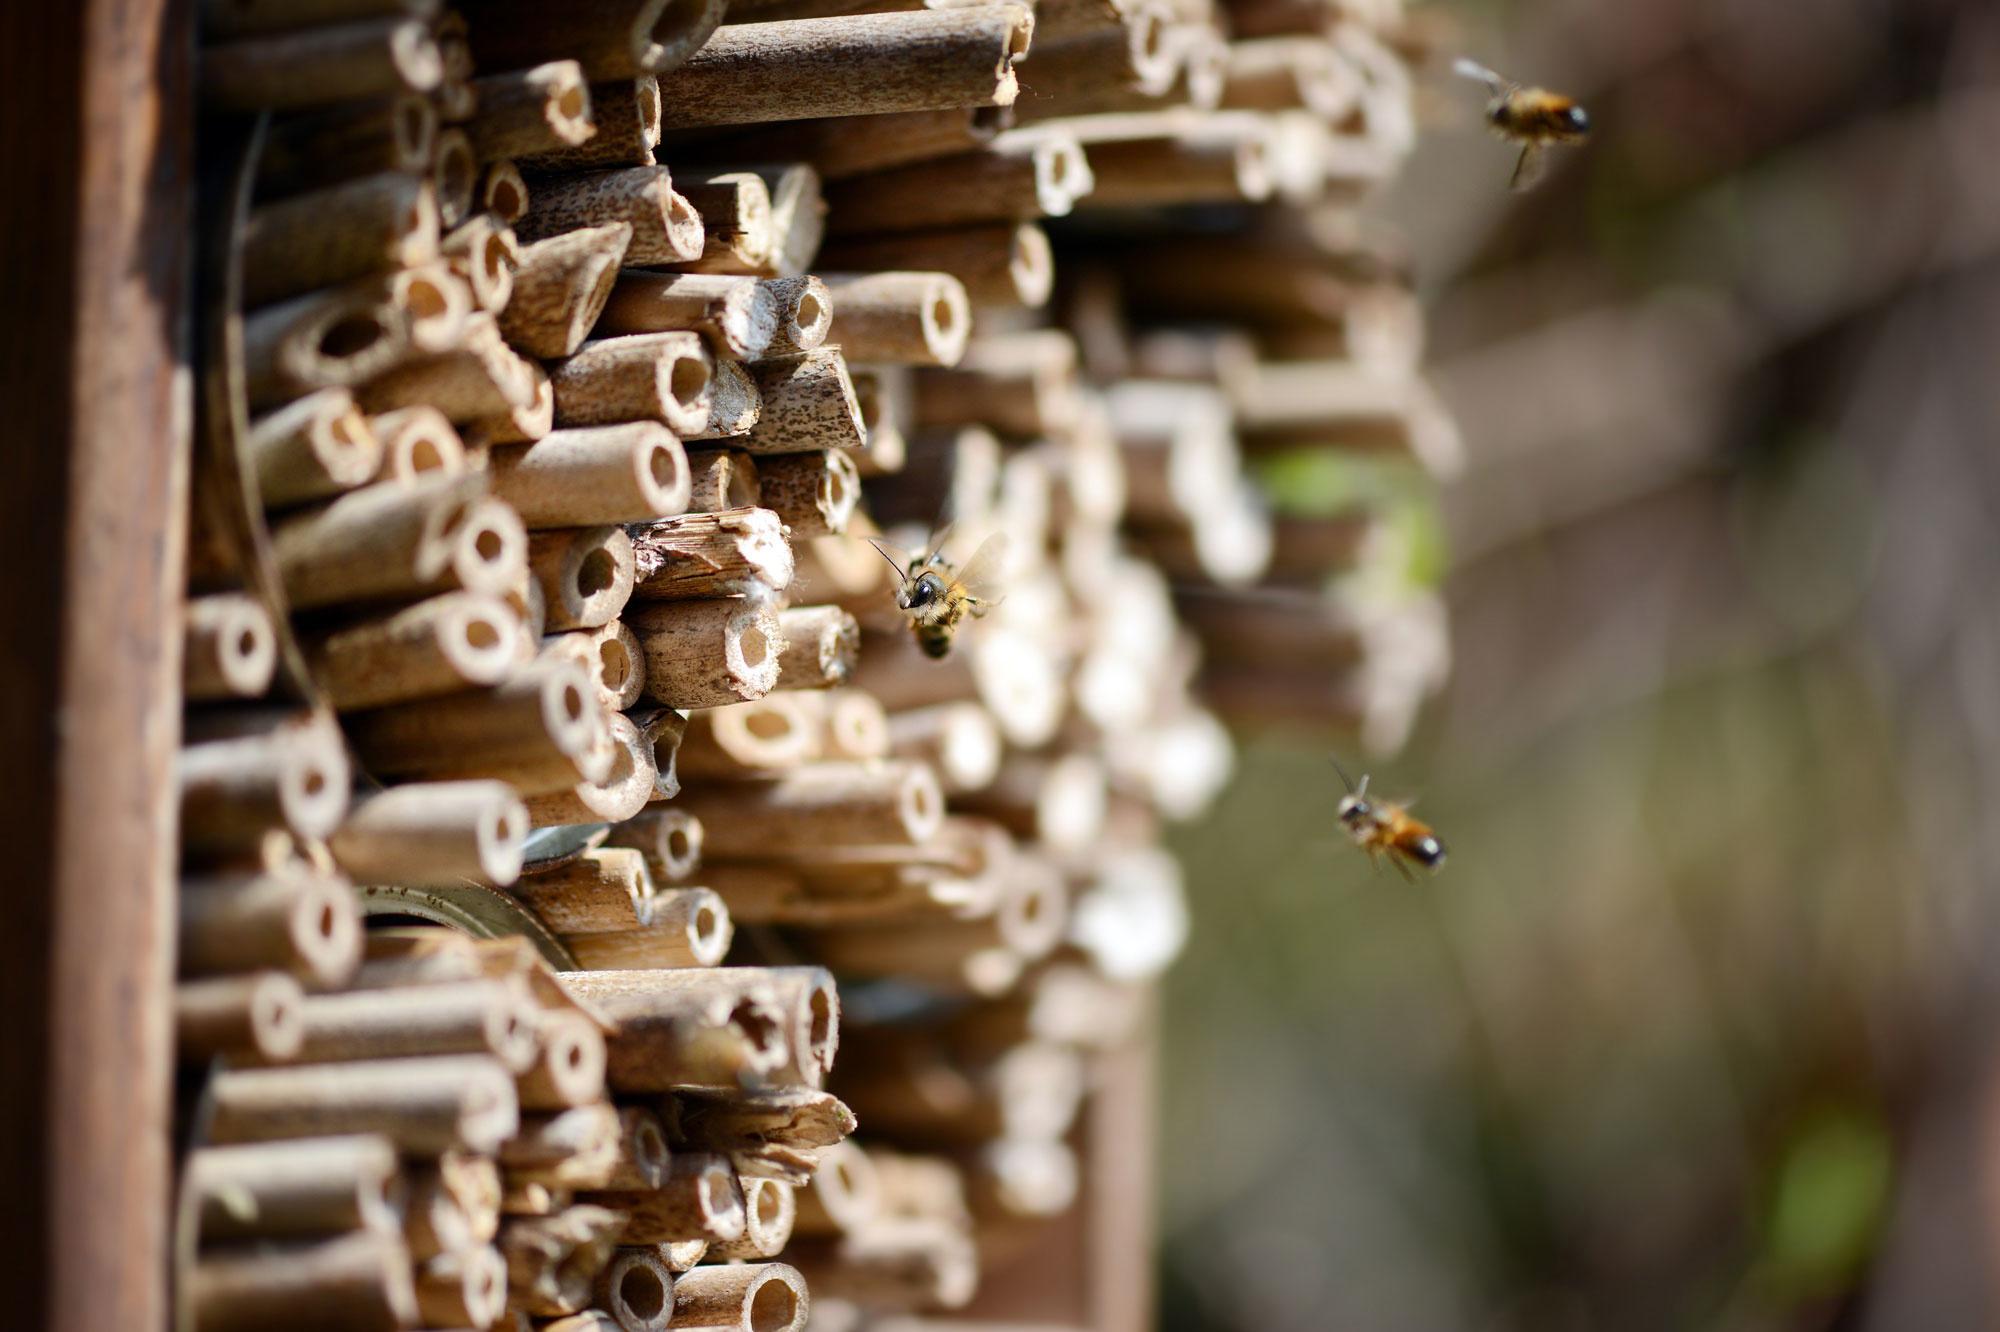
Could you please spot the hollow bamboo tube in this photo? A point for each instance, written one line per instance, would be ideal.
(321, 66)
(571, 1149)
(699, 1199)
(900, 318)
(540, 730)
(503, 192)
(790, 1116)
(1229, 546)
(1224, 158)
(585, 574)
(229, 649)
(642, 1154)
(808, 403)
(482, 377)
(462, 1288)
(665, 227)
(821, 643)
(984, 955)
(821, 804)
(844, 1196)
(960, 740)
(1059, 801)
(843, 146)
(552, 1261)
(522, 112)
(611, 656)
(738, 315)
(293, 922)
(707, 653)
(735, 208)
(303, 152)
(441, 645)
(1018, 178)
(388, 541)
(314, 447)
(999, 263)
(483, 252)
(238, 784)
(345, 335)
(455, 175)
(854, 723)
(770, 1209)
(909, 1091)
(814, 494)
(307, 1186)
(1134, 55)
(637, 1290)
(625, 473)
(602, 890)
(253, 1016)
(613, 41)
(769, 734)
(673, 1033)
(756, 1297)
(627, 115)
(632, 780)
(802, 69)
(570, 1071)
(663, 728)
(534, 1200)
(1023, 384)
(418, 443)
(521, 424)
(686, 927)
(454, 1204)
(560, 287)
(697, 555)
(328, 236)
(662, 377)
(433, 833)
(424, 1106)
(357, 1280)
(735, 404)
(1287, 73)
(670, 839)
(721, 479)
(804, 314)
(480, 1017)
(801, 999)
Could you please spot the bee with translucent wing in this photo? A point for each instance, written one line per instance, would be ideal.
(937, 595)
(1384, 828)
(1535, 118)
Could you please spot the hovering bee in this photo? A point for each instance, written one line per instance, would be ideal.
(1384, 828)
(1535, 118)
(937, 595)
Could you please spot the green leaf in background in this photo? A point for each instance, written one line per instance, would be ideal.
(1830, 1194)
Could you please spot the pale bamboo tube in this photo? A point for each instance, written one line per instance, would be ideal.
(253, 1015)
(801, 999)
(560, 287)
(673, 1032)
(798, 218)
(913, 1186)
(856, 725)
(304, 152)
(553, 1261)
(669, 838)
(750, 73)
(540, 730)
(843, 146)
(1059, 801)
(229, 649)
(1228, 546)
(483, 377)
(441, 645)
(242, 782)
(483, 252)
(821, 804)
(808, 403)
(663, 728)
(735, 208)
(434, 833)
(480, 1017)
(456, 176)
(328, 236)
(756, 1297)
(570, 1071)
(721, 479)
(662, 377)
(523, 424)
(418, 442)
(735, 403)
(1179, 446)
(424, 1106)
(637, 1289)
(356, 1280)
(682, 1255)
(821, 643)
(463, 1288)
(602, 890)
(503, 192)
(1024, 384)
(999, 263)
(1020, 176)
(310, 449)
(571, 1149)
(814, 494)
(900, 318)
(535, 1200)
(305, 925)
(389, 541)
(699, 1199)
(627, 114)
(960, 740)
(686, 927)
(527, 111)
(769, 734)
(613, 41)
(454, 1204)
(698, 555)
(1069, 1003)
(348, 62)
(642, 1154)
(585, 574)
(1286, 73)
(804, 314)
(1222, 158)
(625, 473)
(845, 1194)
(770, 1209)
(665, 227)
(342, 336)
(883, 392)
(611, 656)
(738, 315)
(307, 1186)
(1133, 56)
(984, 956)
(733, 1123)
(909, 1091)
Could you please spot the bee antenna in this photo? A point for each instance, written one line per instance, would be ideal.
(1345, 780)
(887, 556)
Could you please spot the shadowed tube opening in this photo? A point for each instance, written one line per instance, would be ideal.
(687, 379)
(662, 465)
(595, 574)
(489, 544)
(679, 845)
(773, 1306)
(423, 299)
(755, 646)
(572, 703)
(704, 923)
(481, 633)
(768, 724)
(415, 126)
(643, 1292)
(457, 171)
(505, 198)
(570, 104)
(351, 336)
(614, 664)
(820, 1030)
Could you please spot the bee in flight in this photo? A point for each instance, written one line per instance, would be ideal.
(937, 595)
(1535, 118)
(1385, 828)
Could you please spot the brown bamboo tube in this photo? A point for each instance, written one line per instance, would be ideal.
(560, 287)
(663, 728)
(250, 18)
(815, 494)
(721, 479)
(769, 1209)
(1179, 446)
(523, 424)
(645, 376)
(1059, 801)
(856, 726)
(603, 890)
(665, 227)
(456, 100)
(900, 318)
(425, 1106)
(463, 1288)
(255, 1016)
(674, 1032)
(687, 927)
(303, 152)
(571, 1149)
(804, 314)
(238, 784)
(735, 1122)
(456, 177)
(418, 442)
(773, 733)
(1229, 546)
(441, 645)
(637, 1289)
(735, 208)
(454, 1204)
(356, 1280)
(552, 1261)
(611, 656)
(625, 473)
(883, 392)
(998, 263)
(389, 541)
(627, 114)
(483, 377)
(670, 839)
(534, 1200)
(1135, 55)
(699, 555)
(305, 925)
(228, 647)
(342, 336)
(483, 251)
(1023, 383)
(321, 66)
(960, 740)
(1019, 177)
(433, 833)
(312, 448)
(699, 1199)
(1288, 73)
(808, 403)
(821, 804)
(642, 1150)
(614, 41)
(756, 1297)
(843, 146)
(821, 644)
(307, 1186)
(503, 192)
(984, 956)
(738, 315)
(1305, 549)
(917, 1186)
(541, 730)
(328, 236)
(585, 574)
(803, 999)
(1069, 1003)
(570, 1071)
(523, 112)
(735, 403)
(802, 69)
(1224, 158)
(470, 1017)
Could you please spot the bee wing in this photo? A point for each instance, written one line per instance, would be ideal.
(981, 575)
(1528, 168)
(1478, 73)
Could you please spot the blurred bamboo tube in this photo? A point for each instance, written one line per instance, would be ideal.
(560, 287)
(526, 111)
(290, 921)
(815, 494)
(869, 63)
(644, 376)
(791, 1116)
(1059, 802)
(610, 655)
(602, 890)
(480, 379)
(344, 335)
(707, 653)
(540, 730)
(912, 1094)
(238, 785)
(454, 1204)
(637, 1289)
(687, 927)
(721, 479)
(769, 1211)
(360, 1279)
(819, 805)
(612, 41)
(960, 740)
(455, 176)
(1015, 179)
(738, 315)
(312, 448)
(855, 724)
(573, 1148)
(1024, 384)
(469, 1017)
(503, 192)
(821, 643)
(585, 575)
(699, 555)
(1285, 73)
(1133, 55)
(769, 734)
(844, 1196)
(424, 1106)
(1228, 160)
(463, 1288)
(328, 236)
(1021, 1177)
(675, 1032)
(627, 115)
(440, 645)
(798, 218)
(808, 403)
(419, 445)
(900, 1263)
(884, 394)
(483, 252)
(735, 208)
(626, 473)
(756, 1297)
(918, 1186)
(433, 833)
(306, 1186)
(552, 1262)
(804, 314)
(390, 541)
(570, 1071)
(984, 956)
(735, 404)
(524, 422)
(900, 318)
(321, 66)
(642, 1154)
(841, 146)
(229, 649)
(669, 838)
(998, 263)
(303, 152)
(699, 1199)
(803, 1000)
(251, 1016)
(665, 227)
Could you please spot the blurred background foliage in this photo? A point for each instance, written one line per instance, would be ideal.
(1693, 1030)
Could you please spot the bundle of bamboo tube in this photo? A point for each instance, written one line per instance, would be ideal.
(585, 352)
